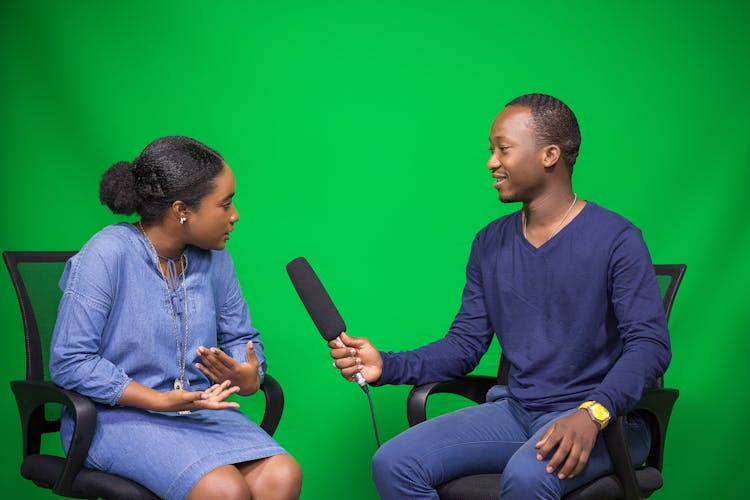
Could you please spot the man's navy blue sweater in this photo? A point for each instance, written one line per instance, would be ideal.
(579, 318)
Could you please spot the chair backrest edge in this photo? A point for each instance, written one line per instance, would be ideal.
(34, 370)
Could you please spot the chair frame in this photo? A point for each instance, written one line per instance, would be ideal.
(34, 392)
(656, 403)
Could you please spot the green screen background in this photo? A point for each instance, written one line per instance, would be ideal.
(358, 135)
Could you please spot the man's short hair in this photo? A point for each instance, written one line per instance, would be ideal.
(554, 123)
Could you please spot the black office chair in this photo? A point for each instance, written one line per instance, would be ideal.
(35, 276)
(627, 482)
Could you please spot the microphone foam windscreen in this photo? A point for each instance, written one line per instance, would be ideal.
(318, 303)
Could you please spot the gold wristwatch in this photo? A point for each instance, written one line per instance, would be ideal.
(598, 413)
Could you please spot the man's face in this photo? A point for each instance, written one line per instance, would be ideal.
(516, 161)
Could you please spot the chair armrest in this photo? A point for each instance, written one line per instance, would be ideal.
(274, 404)
(656, 405)
(473, 387)
(31, 396)
(619, 453)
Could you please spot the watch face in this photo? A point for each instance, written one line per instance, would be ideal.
(600, 412)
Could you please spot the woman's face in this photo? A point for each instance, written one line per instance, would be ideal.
(208, 226)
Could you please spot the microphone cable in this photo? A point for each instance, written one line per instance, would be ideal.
(366, 390)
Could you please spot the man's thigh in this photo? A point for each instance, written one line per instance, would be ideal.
(476, 440)
(526, 476)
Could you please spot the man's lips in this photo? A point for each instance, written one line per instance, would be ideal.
(499, 179)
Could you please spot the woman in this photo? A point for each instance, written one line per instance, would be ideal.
(144, 308)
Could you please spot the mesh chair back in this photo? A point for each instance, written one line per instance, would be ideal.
(36, 277)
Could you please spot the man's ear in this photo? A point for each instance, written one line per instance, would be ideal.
(550, 155)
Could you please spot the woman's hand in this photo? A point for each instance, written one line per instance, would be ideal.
(213, 398)
(219, 366)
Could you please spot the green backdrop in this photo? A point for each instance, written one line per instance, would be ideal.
(358, 135)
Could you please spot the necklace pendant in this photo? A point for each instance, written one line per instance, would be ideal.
(178, 387)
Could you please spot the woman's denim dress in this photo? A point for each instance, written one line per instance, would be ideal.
(115, 325)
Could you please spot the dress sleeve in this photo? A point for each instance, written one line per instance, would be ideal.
(459, 351)
(641, 322)
(233, 324)
(75, 361)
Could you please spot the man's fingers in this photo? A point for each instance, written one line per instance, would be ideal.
(342, 363)
(545, 436)
(583, 459)
(571, 463)
(547, 443)
(355, 342)
(344, 352)
(559, 456)
(348, 373)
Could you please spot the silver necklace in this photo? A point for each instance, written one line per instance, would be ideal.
(179, 382)
(557, 227)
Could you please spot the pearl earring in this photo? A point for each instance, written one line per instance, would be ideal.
(182, 220)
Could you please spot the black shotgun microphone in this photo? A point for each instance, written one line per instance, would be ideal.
(318, 303)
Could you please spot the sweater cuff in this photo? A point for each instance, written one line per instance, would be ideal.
(390, 362)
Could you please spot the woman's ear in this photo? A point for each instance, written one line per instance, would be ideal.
(180, 211)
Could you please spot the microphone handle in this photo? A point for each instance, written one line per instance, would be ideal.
(360, 379)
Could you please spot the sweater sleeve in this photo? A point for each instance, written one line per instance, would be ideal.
(642, 324)
(459, 351)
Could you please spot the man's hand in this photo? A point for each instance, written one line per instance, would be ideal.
(219, 366)
(356, 354)
(574, 436)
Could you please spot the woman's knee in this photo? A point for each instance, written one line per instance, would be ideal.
(222, 483)
(280, 474)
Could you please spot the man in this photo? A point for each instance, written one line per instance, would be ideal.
(569, 289)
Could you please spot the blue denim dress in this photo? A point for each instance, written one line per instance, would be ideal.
(116, 324)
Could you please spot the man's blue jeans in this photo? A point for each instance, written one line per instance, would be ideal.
(496, 437)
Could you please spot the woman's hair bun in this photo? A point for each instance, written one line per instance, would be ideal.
(117, 189)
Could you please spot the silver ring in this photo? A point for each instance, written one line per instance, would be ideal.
(334, 365)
